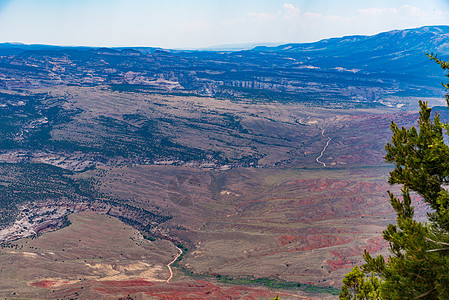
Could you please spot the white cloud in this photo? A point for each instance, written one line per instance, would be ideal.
(119, 23)
(377, 11)
(404, 15)
(264, 17)
(290, 12)
(290, 24)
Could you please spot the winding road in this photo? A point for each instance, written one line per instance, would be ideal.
(180, 251)
(172, 262)
(324, 149)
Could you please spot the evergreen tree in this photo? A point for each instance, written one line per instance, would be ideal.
(357, 286)
(418, 267)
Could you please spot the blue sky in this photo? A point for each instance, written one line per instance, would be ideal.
(202, 23)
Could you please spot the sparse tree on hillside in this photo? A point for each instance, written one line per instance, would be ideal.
(418, 267)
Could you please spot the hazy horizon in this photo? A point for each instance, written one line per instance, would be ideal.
(199, 24)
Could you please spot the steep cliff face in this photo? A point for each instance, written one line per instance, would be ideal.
(369, 67)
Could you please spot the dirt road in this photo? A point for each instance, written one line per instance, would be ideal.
(172, 262)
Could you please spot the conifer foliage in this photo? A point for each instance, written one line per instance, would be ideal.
(418, 266)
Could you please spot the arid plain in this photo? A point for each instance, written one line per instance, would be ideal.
(244, 175)
(251, 207)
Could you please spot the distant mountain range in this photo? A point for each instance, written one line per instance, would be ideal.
(353, 70)
(238, 47)
(429, 38)
(266, 164)
(395, 47)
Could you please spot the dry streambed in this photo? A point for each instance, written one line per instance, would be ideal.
(100, 257)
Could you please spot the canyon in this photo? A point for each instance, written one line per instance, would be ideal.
(214, 174)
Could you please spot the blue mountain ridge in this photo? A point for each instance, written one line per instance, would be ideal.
(347, 69)
(394, 51)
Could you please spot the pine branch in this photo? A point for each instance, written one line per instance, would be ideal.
(436, 242)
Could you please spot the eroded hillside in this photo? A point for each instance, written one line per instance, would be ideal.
(264, 167)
